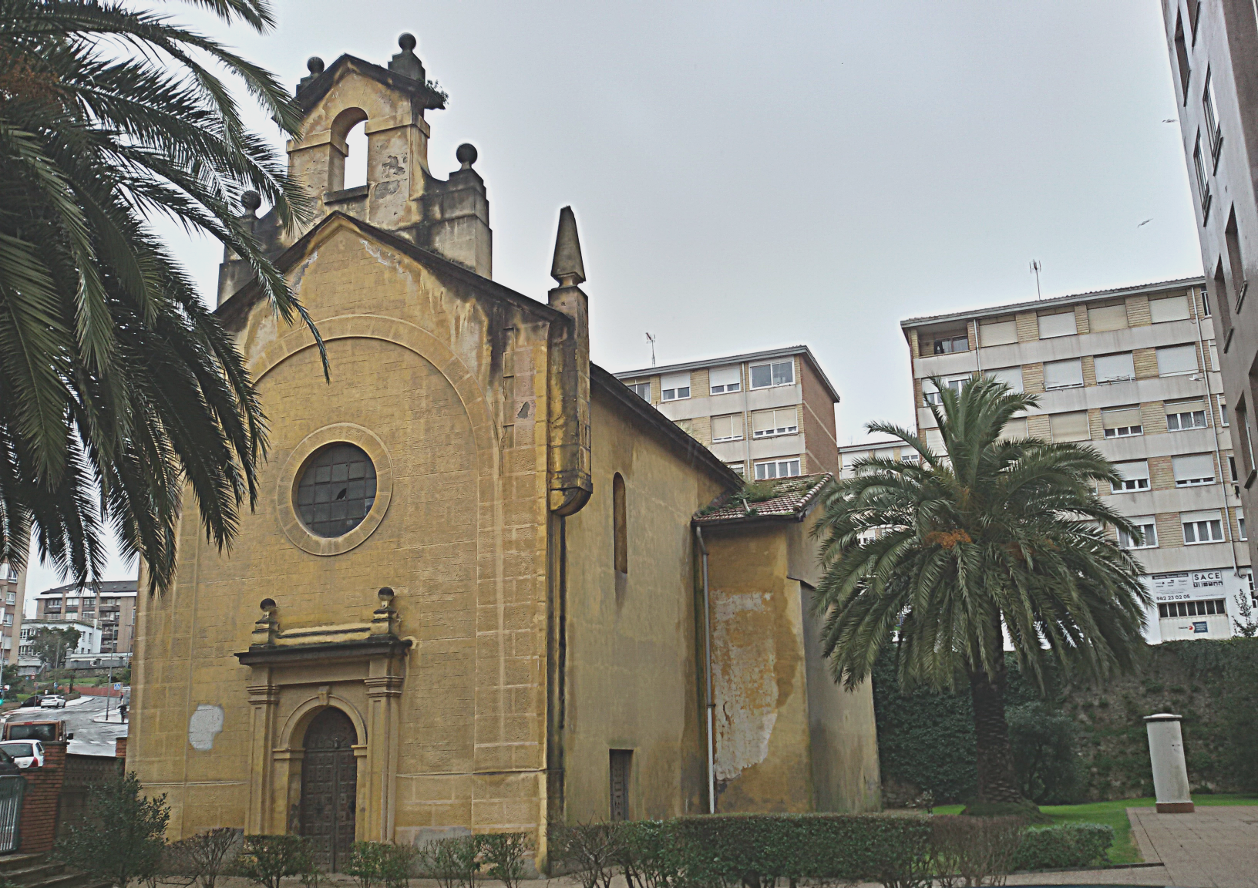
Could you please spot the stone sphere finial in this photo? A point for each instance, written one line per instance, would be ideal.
(385, 594)
(267, 605)
(407, 42)
(466, 155)
(251, 200)
(314, 65)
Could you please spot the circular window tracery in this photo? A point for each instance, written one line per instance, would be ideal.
(336, 490)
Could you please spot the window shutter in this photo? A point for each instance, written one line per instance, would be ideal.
(762, 422)
(1010, 376)
(786, 418)
(1053, 325)
(1107, 317)
(997, 332)
(1170, 308)
(1121, 417)
(1069, 426)
(1014, 429)
(725, 376)
(1135, 470)
(1177, 359)
(1186, 406)
(1063, 374)
(934, 440)
(1112, 368)
(1197, 467)
(727, 427)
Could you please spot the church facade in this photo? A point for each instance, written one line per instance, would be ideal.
(486, 587)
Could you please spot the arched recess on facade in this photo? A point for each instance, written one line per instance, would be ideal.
(292, 735)
(342, 125)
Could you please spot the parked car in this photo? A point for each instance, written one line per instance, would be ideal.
(52, 701)
(8, 765)
(32, 700)
(25, 753)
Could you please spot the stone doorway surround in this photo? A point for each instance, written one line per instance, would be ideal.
(357, 668)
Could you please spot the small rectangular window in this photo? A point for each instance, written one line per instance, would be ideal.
(1058, 324)
(1169, 308)
(767, 423)
(956, 383)
(997, 333)
(723, 380)
(1107, 317)
(1181, 56)
(1148, 538)
(1203, 179)
(727, 428)
(1231, 467)
(1202, 527)
(1115, 368)
(1015, 429)
(1063, 374)
(1122, 422)
(1069, 426)
(739, 468)
(778, 468)
(1134, 476)
(1184, 415)
(1177, 360)
(1010, 376)
(1193, 470)
(1213, 130)
(771, 374)
(621, 761)
(675, 387)
(642, 390)
(1240, 523)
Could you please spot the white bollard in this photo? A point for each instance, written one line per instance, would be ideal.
(1170, 770)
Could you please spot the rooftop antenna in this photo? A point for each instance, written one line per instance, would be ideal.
(1035, 268)
(650, 337)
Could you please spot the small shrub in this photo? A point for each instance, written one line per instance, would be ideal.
(505, 855)
(1068, 845)
(268, 859)
(973, 851)
(452, 862)
(205, 856)
(366, 863)
(587, 851)
(122, 836)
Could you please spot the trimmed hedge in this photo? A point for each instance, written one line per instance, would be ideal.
(1058, 847)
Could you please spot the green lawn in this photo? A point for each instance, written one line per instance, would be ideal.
(1115, 814)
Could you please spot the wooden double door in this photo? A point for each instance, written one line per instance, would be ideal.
(329, 788)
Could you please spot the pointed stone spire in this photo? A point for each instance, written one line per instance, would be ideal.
(568, 269)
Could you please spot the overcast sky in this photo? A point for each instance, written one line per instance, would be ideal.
(753, 175)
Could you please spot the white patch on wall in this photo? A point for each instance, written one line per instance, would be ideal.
(744, 676)
(204, 725)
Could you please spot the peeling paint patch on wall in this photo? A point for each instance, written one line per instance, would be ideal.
(745, 680)
(204, 725)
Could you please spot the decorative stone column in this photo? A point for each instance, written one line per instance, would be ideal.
(1170, 770)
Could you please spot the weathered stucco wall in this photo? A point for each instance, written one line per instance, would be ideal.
(430, 372)
(633, 674)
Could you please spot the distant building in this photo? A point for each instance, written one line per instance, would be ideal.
(1135, 373)
(767, 414)
(111, 608)
(850, 453)
(83, 655)
(1214, 60)
(12, 600)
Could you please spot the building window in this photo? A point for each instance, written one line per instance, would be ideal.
(930, 394)
(621, 761)
(1202, 527)
(1193, 470)
(620, 529)
(1060, 324)
(336, 491)
(1115, 368)
(1231, 466)
(1069, 426)
(911, 459)
(10, 598)
(997, 333)
(1177, 360)
(1135, 476)
(739, 469)
(1181, 56)
(1122, 422)
(1147, 537)
(642, 390)
(1203, 181)
(1223, 420)
(1213, 130)
(675, 387)
(1063, 374)
(767, 423)
(1211, 607)
(1107, 317)
(1015, 429)
(727, 428)
(1184, 415)
(771, 374)
(1240, 524)
(1231, 235)
(1169, 308)
(723, 380)
(1010, 376)
(950, 342)
(778, 468)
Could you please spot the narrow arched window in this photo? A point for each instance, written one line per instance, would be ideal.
(620, 525)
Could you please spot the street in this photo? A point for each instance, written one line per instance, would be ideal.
(91, 737)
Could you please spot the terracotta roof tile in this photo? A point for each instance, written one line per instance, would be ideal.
(789, 498)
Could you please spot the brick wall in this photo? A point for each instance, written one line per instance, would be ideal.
(42, 801)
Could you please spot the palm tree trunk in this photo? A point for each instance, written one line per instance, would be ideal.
(997, 781)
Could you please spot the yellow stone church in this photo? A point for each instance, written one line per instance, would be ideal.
(486, 586)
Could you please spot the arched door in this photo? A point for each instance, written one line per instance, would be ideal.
(329, 784)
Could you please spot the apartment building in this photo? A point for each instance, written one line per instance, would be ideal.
(111, 608)
(1135, 373)
(1213, 47)
(86, 653)
(893, 450)
(767, 414)
(12, 600)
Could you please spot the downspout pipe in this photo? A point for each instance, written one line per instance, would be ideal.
(707, 661)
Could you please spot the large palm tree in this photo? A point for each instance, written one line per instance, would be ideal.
(986, 541)
(118, 387)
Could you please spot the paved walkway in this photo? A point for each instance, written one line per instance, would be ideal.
(1210, 848)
